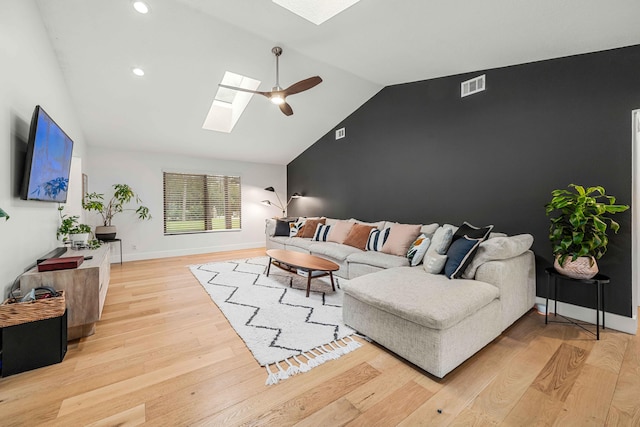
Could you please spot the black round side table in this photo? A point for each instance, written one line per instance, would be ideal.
(598, 280)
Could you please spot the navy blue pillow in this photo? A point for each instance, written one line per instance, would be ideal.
(282, 228)
(459, 256)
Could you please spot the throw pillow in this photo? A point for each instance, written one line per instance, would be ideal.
(434, 262)
(472, 232)
(429, 229)
(377, 225)
(376, 239)
(441, 240)
(322, 232)
(295, 227)
(310, 226)
(418, 248)
(359, 235)
(339, 231)
(400, 238)
(498, 248)
(282, 228)
(459, 255)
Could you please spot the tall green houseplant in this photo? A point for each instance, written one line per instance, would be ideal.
(580, 221)
(123, 195)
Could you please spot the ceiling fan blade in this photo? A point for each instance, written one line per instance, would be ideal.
(286, 109)
(303, 85)
(241, 89)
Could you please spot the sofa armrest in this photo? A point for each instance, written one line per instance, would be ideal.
(270, 227)
(516, 279)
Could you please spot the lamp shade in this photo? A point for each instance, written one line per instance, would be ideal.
(266, 202)
(296, 195)
(270, 189)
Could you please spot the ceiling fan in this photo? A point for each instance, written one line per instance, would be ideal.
(277, 95)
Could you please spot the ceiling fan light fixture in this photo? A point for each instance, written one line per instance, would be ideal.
(277, 99)
(141, 7)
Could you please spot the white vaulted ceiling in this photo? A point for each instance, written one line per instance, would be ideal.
(185, 47)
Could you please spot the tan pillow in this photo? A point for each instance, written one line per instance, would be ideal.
(359, 235)
(339, 231)
(400, 238)
(309, 227)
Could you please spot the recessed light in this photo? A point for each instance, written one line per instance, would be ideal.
(138, 72)
(141, 6)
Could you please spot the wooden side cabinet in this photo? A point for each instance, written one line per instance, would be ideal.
(85, 289)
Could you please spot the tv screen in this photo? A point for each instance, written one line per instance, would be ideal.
(48, 161)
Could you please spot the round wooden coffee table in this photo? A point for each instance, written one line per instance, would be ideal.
(297, 260)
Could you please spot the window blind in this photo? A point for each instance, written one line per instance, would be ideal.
(196, 203)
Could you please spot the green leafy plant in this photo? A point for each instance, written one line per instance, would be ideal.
(579, 227)
(122, 195)
(70, 225)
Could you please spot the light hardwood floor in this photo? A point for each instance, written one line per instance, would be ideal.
(163, 354)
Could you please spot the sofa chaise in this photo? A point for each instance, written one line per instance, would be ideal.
(434, 319)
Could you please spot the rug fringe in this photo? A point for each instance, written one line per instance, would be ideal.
(315, 357)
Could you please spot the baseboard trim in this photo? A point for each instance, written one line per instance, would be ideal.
(139, 256)
(625, 324)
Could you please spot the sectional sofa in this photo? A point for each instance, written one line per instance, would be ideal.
(435, 320)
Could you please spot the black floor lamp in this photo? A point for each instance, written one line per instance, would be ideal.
(279, 205)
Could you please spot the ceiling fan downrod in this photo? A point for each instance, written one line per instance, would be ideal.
(277, 51)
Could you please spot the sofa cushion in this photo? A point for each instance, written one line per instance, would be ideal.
(298, 242)
(429, 229)
(400, 238)
(418, 249)
(472, 231)
(498, 248)
(441, 240)
(429, 300)
(296, 227)
(321, 234)
(379, 224)
(309, 228)
(378, 259)
(359, 235)
(282, 228)
(333, 250)
(434, 262)
(376, 239)
(339, 231)
(459, 256)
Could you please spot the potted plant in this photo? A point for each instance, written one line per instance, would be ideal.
(71, 231)
(578, 231)
(123, 194)
(4, 215)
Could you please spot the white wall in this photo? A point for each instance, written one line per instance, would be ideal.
(29, 75)
(143, 172)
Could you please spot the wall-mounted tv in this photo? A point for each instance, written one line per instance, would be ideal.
(48, 161)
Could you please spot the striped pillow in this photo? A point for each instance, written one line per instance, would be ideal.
(322, 231)
(377, 239)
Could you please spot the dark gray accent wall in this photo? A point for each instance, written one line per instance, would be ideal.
(418, 153)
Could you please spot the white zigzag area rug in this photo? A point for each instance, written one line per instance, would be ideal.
(286, 332)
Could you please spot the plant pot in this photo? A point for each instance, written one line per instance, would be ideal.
(105, 232)
(79, 239)
(582, 268)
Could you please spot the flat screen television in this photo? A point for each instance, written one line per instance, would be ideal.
(48, 160)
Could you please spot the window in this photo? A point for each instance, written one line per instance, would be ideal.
(201, 203)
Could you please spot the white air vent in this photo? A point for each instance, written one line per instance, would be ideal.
(472, 86)
(340, 133)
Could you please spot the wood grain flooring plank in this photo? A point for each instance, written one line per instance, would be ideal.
(461, 388)
(590, 397)
(625, 405)
(558, 376)
(131, 417)
(336, 414)
(404, 401)
(305, 404)
(535, 408)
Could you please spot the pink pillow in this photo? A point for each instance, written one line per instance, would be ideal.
(339, 231)
(400, 238)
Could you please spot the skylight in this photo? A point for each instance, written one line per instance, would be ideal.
(228, 104)
(316, 11)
